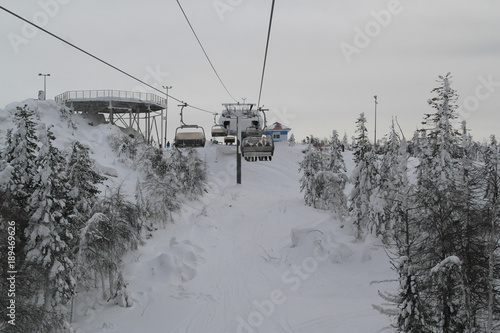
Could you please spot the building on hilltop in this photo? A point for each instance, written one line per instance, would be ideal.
(278, 131)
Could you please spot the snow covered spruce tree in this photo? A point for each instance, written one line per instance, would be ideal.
(364, 179)
(291, 140)
(50, 233)
(345, 142)
(442, 216)
(196, 175)
(470, 247)
(83, 180)
(411, 312)
(393, 183)
(18, 168)
(20, 154)
(310, 166)
(335, 178)
(402, 221)
(323, 176)
(492, 218)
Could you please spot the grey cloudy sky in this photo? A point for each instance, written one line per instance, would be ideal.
(327, 58)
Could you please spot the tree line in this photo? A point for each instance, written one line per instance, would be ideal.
(434, 201)
(71, 237)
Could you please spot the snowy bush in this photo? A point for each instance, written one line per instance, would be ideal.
(171, 176)
(107, 236)
(126, 146)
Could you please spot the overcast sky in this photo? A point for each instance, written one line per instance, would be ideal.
(326, 61)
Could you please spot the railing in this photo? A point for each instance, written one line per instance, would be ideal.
(96, 94)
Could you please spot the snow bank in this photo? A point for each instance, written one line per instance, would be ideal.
(174, 264)
(327, 240)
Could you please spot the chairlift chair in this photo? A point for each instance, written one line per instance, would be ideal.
(256, 144)
(219, 131)
(257, 147)
(189, 135)
(229, 140)
(189, 138)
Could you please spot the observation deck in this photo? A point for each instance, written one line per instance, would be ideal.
(111, 101)
(134, 112)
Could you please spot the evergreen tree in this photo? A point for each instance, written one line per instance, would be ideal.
(470, 246)
(20, 153)
(291, 140)
(442, 134)
(361, 143)
(402, 215)
(196, 175)
(334, 197)
(449, 314)
(394, 184)
(492, 217)
(83, 180)
(310, 166)
(364, 180)
(436, 192)
(411, 310)
(345, 142)
(50, 232)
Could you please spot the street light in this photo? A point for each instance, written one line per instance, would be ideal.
(166, 113)
(375, 135)
(44, 84)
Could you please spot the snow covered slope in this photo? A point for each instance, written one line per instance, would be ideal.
(249, 258)
(244, 258)
(69, 128)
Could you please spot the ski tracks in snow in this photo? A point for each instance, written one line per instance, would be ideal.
(244, 282)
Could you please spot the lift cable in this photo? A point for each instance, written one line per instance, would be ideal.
(265, 54)
(203, 49)
(99, 59)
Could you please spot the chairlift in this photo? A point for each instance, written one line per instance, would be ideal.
(189, 135)
(252, 131)
(230, 140)
(218, 130)
(256, 144)
(255, 148)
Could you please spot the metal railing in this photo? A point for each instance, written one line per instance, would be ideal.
(96, 94)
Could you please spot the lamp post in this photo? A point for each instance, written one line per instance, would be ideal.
(375, 135)
(44, 84)
(166, 114)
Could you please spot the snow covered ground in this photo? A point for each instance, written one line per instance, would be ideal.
(244, 258)
(249, 258)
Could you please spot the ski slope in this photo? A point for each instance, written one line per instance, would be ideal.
(249, 258)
